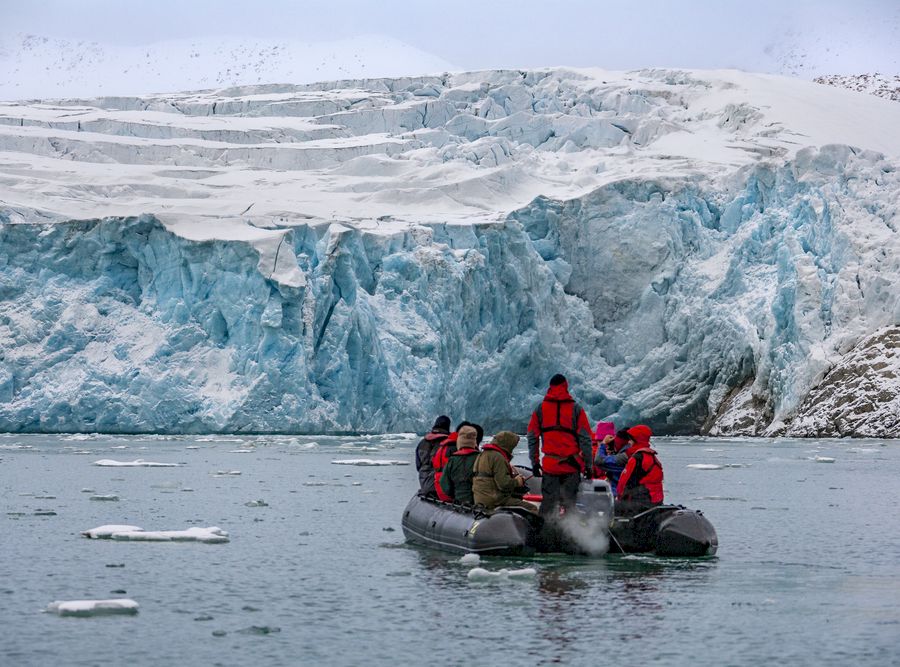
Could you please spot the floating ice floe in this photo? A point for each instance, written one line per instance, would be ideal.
(226, 473)
(109, 497)
(479, 573)
(256, 503)
(212, 535)
(705, 466)
(240, 451)
(137, 463)
(470, 559)
(93, 607)
(369, 462)
(106, 532)
(823, 459)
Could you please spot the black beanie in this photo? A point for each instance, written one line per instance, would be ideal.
(442, 423)
(557, 380)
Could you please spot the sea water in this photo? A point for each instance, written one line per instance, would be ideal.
(317, 570)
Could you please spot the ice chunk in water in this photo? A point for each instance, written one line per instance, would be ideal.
(823, 459)
(479, 573)
(137, 463)
(106, 532)
(470, 559)
(210, 535)
(93, 607)
(705, 466)
(369, 462)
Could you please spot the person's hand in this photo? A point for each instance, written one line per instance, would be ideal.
(608, 439)
(520, 481)
(536, 469)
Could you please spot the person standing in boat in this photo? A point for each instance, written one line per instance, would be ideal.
(456, 480)
(425, 453)
(640, 486)
(493, 477)
(559, 445)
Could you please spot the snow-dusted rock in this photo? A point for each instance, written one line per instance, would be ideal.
(695, 250)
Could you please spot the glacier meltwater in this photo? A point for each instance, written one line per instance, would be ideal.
(701, 251)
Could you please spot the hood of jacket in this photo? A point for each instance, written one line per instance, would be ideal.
(559, 392)
(506, 440)
(641, 435)
(467, 438)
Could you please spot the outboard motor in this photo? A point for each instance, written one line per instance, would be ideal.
(595, 497)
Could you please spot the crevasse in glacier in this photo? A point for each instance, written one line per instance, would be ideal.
(361, 256)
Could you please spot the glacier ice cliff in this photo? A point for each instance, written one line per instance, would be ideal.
(692, 251)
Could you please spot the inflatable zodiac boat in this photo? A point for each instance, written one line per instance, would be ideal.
(665, 530)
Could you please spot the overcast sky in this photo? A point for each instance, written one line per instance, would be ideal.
(494, 33)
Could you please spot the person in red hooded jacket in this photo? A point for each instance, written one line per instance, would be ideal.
(559, 445)
(640, 485)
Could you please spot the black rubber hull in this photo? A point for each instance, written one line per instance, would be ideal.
(667, 530)
(431, 523)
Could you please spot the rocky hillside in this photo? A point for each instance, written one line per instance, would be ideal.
(881, 85)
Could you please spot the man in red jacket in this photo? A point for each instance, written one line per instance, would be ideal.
(640, 485)
(559, 444)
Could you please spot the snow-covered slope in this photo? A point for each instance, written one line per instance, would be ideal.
(35, 66)
(694, 249)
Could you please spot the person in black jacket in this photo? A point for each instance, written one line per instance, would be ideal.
(425, 452)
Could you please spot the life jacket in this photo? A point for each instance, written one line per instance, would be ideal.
(558, 429)
(441, 456)
(647, 472)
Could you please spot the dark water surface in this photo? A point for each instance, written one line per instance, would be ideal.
(808, 570)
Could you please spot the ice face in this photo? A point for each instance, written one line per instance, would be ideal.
(688, 265)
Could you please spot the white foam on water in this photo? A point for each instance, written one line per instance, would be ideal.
(86, 608)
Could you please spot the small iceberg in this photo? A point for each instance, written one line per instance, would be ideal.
(705, 466)
(369, 462)
(480, 574)
(137, 463)
(823, 459)
(212, 535)
(85, 608)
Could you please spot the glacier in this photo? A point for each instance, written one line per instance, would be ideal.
(700, 251)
